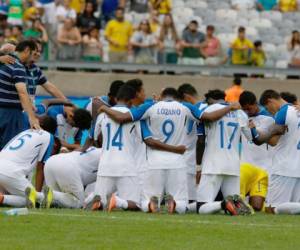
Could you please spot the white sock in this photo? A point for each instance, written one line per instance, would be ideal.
(192, 207)
(288, 208)
(14, 201)
(180, 207)
(66, 200)
(145, 206)
(121, 203)
(89, 198)
(39, 197)
(210, 208)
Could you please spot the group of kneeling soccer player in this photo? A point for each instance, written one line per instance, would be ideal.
(173, 152)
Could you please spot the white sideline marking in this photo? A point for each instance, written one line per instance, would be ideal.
(200, 221)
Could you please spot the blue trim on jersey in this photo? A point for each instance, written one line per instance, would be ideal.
(49, 149)
(149, 100)
(280, 116)
(201, 129)
(145, 131)
(55, 110)
(40, 109)
(190, 126)
(92, 130)
(105, 100)
(263, 111)
(196, 112)
(78, 136)
(138, 112)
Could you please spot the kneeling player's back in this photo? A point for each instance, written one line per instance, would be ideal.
(118, 146)
(221, 152)
(28, 148)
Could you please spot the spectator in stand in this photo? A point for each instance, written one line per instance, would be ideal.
(63, 12)
(139, 10)
(31, 13)
(154, 22)
(266, 5)
(241, 48)
(212, 47)
(77, 5)
(169, 43)
(37, 31)
(144, 43)
(8, 35)
(15, 12)
(118, 33)
(69, 41)
(87, 20)
(294, 49)
(258, 56)
(192, 43)
(233, 93)
(108, 9)
(288, 5)
(243, 4)
(17, 33)
(3, 16)
(92, 47)
(162, 6)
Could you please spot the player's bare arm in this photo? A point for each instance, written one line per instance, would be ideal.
(156, 144)
(218, 114)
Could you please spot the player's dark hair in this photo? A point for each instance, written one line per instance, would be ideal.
(186, 88)
(215, 94)
(247, 98)
(237, 81)
(241, 29)
(268, 94)
(289, 97)
(126, 93)
(114, 88)
(21, 46)
(82, 119)
(48, 124)
(136, 84)
(170, 92)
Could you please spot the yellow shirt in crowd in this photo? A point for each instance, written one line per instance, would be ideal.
(77, 5)
(288, 5)
(241, 56)
(119, 32)
(258, 58)
(164, 6)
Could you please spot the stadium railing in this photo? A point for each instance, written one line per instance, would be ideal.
(177, 69)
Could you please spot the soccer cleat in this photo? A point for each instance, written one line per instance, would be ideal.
(228, 206)
(153, 205)
(242, 207)
(95, 204)
(112, 203)
(30, 194)
(48, 197)
(171, 204)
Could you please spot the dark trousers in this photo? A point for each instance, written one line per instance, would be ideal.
(11, 124)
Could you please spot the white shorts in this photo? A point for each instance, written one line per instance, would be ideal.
(127, 188)
(14, 185)
(210, 186)
(157, 182)
(192, 187)
(64, 178)
(283, 189)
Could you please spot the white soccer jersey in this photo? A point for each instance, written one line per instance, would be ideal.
(118, 146)
(167, 121)
(86, 162)
(64, 130)
(24, 151)
(286, 159)
(221, 155)
(258, 155)
(193, 130)
(89, 105)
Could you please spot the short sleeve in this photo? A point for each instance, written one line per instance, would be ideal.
(280, 117)
(19, 75)
(97, 127)
(140, 112)
(145, 131)
(194, 112)
(41, 78)
(47, 153)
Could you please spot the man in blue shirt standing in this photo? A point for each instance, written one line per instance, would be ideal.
(14, 97)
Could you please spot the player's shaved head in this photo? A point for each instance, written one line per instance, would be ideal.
(187, 89)
(114, 88)
(214, 95)
(126, 93)
(48, 124)
(170, 92)
(247, 97)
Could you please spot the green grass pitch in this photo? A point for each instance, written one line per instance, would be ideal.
(70, 229)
